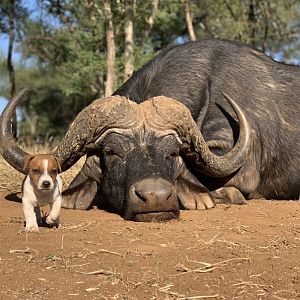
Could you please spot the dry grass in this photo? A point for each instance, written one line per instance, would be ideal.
(11, 180)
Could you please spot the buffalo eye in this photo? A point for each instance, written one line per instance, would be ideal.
(36, 171)
(111, 153)
(173, 154)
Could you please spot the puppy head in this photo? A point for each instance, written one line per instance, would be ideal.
(42, 170)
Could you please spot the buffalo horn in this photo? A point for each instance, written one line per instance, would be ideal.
(9, 148)
(83, 135)
(175, 116)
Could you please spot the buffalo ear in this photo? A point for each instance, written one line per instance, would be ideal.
(83, 189)
(80, 194)
(27, 161)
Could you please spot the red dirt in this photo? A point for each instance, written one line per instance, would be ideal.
(229, 252)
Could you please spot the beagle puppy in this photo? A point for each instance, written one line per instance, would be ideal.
(41, 186)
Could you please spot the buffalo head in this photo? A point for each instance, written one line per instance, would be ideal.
(136, 156)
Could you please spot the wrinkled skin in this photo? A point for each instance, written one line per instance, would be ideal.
(144, 177)
(137, 158)
(138, 169)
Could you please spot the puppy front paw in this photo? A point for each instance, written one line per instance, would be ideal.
(53, 223)
(31, 228)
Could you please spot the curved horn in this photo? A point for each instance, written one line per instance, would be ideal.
(175, 116)
(9, 148)
(103, 114)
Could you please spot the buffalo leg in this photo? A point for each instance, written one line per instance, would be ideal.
(191, 199)
(228, 195)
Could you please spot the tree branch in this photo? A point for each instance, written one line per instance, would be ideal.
(128, 53)
(150, 22)
(11, 71)
(188, 20)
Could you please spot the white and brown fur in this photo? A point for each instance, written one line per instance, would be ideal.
(41, 186)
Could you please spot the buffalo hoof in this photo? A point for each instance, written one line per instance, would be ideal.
(194, 201)
(228, 195)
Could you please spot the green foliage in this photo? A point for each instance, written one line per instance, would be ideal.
(169, 24)
(6, 7)
(63, 45)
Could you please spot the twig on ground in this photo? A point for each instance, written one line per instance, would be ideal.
(212, 240)
(166, 290)
(84, 224)
(280, 298)
(230, 243)
(92, 289)
(208, 267)
(103, 251)
(200, 297)
(250, 283)
(238, 225)
(98, 272)
(24, 251)
(62, 243)
(77, 266)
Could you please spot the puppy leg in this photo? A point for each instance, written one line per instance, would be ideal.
(53, 218)
(30, 216)
(39, 218)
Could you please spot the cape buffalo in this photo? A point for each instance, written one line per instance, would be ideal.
(181, 141)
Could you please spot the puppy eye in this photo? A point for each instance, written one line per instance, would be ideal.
(53, 171)
(36, 171)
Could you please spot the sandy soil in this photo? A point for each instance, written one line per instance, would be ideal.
(229, 252)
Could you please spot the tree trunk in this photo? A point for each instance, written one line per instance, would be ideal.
(111, 49)
(32, 120)
(11, 72)
(252, 22)
(150, 22)
(188, 19)
(128, 67)
(265, 43)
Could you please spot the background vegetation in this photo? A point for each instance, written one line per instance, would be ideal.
(74, 51)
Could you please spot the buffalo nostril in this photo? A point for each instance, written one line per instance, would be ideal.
(141, 195)
(149, 191)
(46, 183)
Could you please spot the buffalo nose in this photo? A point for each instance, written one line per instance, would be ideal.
(151, 199)
(152, 190)
(46, 184)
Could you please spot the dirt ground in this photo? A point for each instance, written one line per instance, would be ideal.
(229, 252)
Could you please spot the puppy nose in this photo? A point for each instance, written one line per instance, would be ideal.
(46, 183)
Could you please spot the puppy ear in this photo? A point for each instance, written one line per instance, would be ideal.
(27, 162)
(58, 164)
